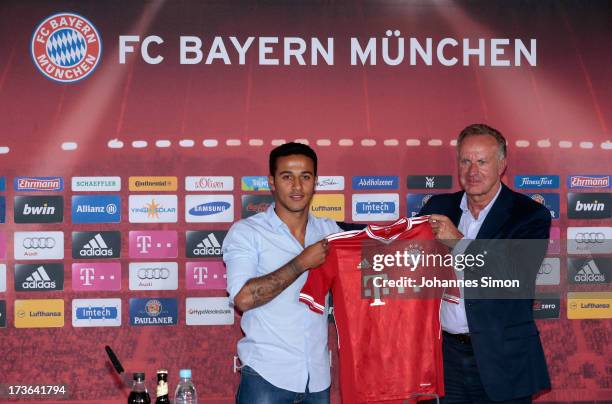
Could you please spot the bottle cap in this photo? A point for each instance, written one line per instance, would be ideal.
(185, 373)
(139, 376)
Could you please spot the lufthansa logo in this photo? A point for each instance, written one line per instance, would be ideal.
(591, 237)
(38, 242)
(153, 273)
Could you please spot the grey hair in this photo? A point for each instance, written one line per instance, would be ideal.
(482, 129)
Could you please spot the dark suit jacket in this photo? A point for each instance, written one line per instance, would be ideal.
(504, 336)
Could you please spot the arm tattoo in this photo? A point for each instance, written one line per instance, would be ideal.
(262, 289)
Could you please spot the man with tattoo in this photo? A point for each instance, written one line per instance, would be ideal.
(284, 351)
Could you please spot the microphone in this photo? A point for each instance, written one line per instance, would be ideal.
(123, 377)
(114, 360)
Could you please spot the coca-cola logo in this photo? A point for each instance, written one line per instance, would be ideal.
(258, 207)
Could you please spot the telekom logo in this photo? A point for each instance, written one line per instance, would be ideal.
(153, 244)
(96, 276)
(143, 243)
(210, 275)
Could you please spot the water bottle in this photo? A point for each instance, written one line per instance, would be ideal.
(139, 394)
(185, 391)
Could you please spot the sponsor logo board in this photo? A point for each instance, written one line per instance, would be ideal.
(2, 209)
(208, 311)
(536, 181)
(330, 206)
(255, 183)
(38, 184)
(588, 182)
(375, 207)
(39, 209)
(39, 277)
(589, 205)
(589, 270)
(330, 183)
(39, 313)
(155, 311)
(589, 305)
(414, 203)
(209, 208)
(2, 277)
(209, 183)
(204, 244)
(254, 204)
(554, 242)
(96, 209)
(153, 276)
(429, 181)
(95, 276)
(148, 184)
(547, 307)
(96, 244)
(2, 314)
(96, 184)
(589, 240)
(153, 244)
(38, 245)
(549, 272)
(153, 209)
(96, 312)
(375, 182)
(207, 275)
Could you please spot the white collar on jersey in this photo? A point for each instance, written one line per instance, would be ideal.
(372, 228)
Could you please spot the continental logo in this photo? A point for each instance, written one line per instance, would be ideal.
(328, 205)
(153, 184)
(589, 305)
(39, 313)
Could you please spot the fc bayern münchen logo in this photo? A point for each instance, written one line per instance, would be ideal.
(66, 47)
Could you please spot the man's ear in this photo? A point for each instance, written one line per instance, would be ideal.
(271, 183)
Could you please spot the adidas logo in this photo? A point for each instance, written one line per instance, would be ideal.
(208, 246)
(96, 247)
(589, 273)
(364, 264)
(39, 280)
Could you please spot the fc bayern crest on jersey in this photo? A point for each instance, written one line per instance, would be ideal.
(66, 47)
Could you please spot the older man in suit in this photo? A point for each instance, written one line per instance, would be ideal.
(492, 349)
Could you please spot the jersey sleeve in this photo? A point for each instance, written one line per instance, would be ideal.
(319, 282)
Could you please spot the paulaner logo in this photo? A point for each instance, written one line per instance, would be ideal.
(66, 47)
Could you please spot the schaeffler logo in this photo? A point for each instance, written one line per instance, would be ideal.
(66, 47)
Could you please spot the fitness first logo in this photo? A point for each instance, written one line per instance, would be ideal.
(66, 47)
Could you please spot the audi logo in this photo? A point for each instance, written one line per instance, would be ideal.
(38, 242)
(153, 273)
(545, 269)
(590, 237)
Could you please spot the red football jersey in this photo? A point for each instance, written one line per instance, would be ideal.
(390, 346)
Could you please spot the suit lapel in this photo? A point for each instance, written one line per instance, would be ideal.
(498, 215)
(455, 212)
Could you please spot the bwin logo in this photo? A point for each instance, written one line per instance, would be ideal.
(210, 208)
(38, 210)
(590, 207)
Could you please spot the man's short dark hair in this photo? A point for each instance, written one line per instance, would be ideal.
(482, 129)
(289, 149)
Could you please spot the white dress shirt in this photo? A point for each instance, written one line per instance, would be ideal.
(285, 342)
(452, 315)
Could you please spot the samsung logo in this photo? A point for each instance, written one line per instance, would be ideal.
(210, 208)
